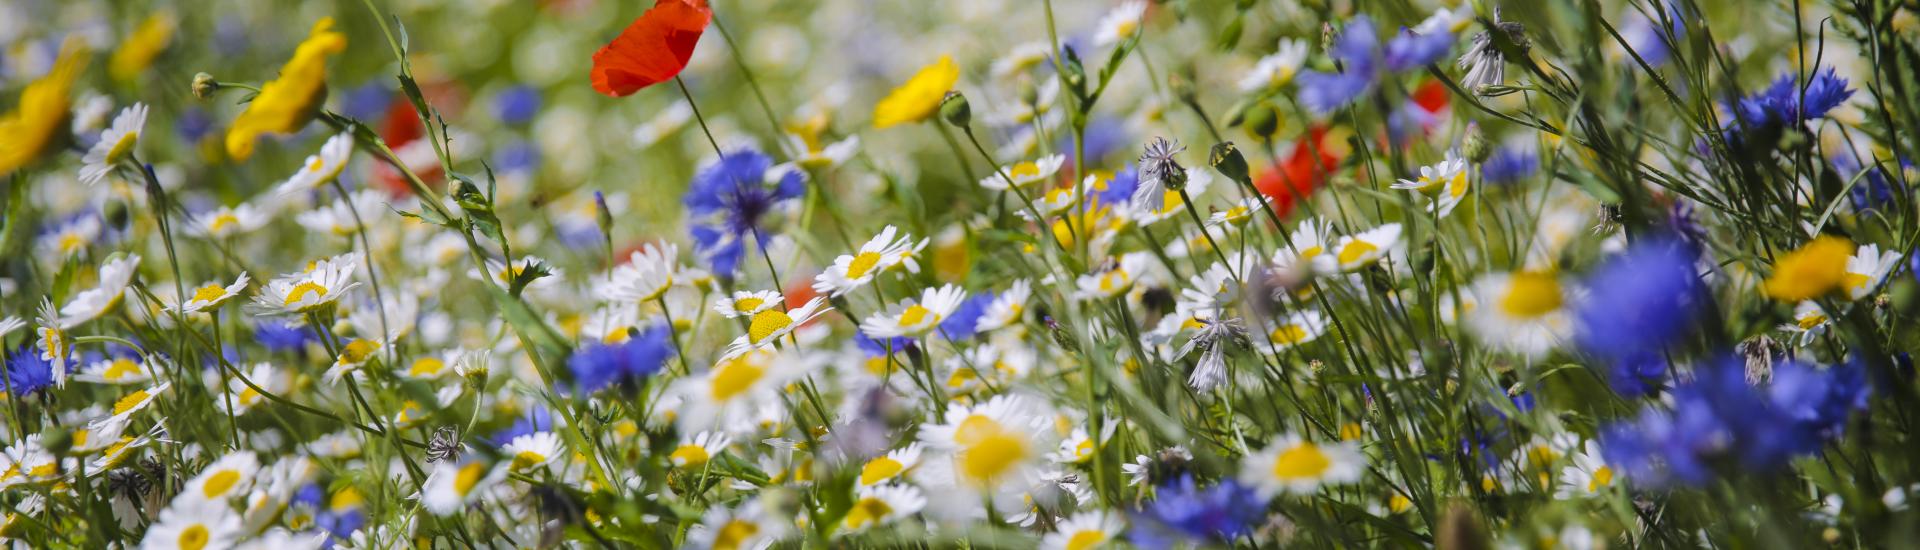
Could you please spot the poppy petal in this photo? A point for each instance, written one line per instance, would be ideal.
(653, 49)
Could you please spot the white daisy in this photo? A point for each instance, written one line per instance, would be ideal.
(1113, 281)
(882, 504)
(229, 477)
(321, 168)
(115, 145)
(532, 450)
(193, 528)
(1085, 531)
(54, 344)
(1025, 173)
(1120, 24)
(320, 285)
(1276, 70)
(1444, 184)
(646, 275)
(1000, 444)
(890, 466)
(891, 248)
(813, 154)
(212, 295)
(228, 221)
(1523, 312)
(91, 303)
(1296, 328)
(914, 318)
(1809, 322)
(455, 483)
(1364, 249)
(1007, 308)
(1295, 465)
(71, 238)
(138, 400)
(748, 527)
(243, 397)
(1311, 241)
(747, 303)
(1019, 58)
(344, 218)
(1587, 476)
(118, 370)
(1866, 268)
(694, 452)
(771, 324)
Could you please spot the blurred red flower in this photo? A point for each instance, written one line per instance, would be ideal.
(1299, 175)
(653, 49)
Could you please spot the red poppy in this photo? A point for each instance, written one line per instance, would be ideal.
(653, 49)
(1298, 176)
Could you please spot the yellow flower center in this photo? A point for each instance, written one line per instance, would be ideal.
(467, 477)
(745, 305)
(1289, 334)
(70, 242)
(880, 469)
(915, 315)
(690, 456)
(222, 220)
(734, 535)
(1311, 252)
(1025, 170)
(1303, 461)
(1602, 477)
(1532, 294)
(357, 351)
(426, 366)
(194, 537)
(121, 368)
(1355, 250)
(1085, 540)
(1812, 320)
(993, 455)
(734, 377)
(219, 483)
(209, 293)
(766, 324)
(315, 163)
(130, 402)
(122, 147)
(868, 511)
(528, 459)
(862, 264)
(300, 291)
(1457, 187)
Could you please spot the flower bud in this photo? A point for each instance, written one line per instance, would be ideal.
(1227, 160)
(603, 215)
(1475, 145)
(204, 85)
(955, 110)
(1262, 120)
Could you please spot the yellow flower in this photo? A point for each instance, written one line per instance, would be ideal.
(32, 126)
(1817, 268)
(146, 43)
(285, 104)
(920, 97)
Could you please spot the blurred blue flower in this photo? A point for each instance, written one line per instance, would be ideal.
(1509, 165)
(193, 124)
(727, 201)
(537, 419)
(597, 366)
(1785, 103)
(517, 104)
(1641, 300)
(27, 373)
(518, 155)
(1409, 50)
(366, 102)
(281, 337)
(879, 348)
(1119, 189)
(1637, 375)
(1357, 50)
(960, 325)
(1103, 136)
(1184, 512)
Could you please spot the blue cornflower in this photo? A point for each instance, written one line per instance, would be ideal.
(878, 348)
(281, 337)
(960, 324)
(1820, 401)
(1358, 50)
(1411, 50)
(537, 419)
(1119, 188)
(27, 373)
(517, 104)
(1785, 103)
(1509, 165)
(367, 101)
(727, 201)
(1185, 512)
(1103, 136)
(1637, 375)
(597, 366)
(193, 124)
(518, 155)
(1641, 300)
(1872, 189)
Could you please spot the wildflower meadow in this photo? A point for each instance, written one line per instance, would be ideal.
(1062, 274)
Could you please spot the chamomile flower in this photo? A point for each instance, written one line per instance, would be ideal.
(10, 323)
(694, 452)
(1277, 69)
(1294, 465)
(771, 324)
(1522, 312)
(728, 395)
(352, 356)
(56, 348)
(1866, 268)
(876, 505)
(885, 251)
(91, 303)
(116, 144)
(1295, 328)
(1085, 531)
(1311, 242)
(321, 168)
(1120, 24)
(1809, 322)
(1444, 184)
(70, 238)
(1587, 476)
(225, 479)
(1019, 58)
(1356, 252)
(242, 396)
(892, 465)
(747, 303)
(913, 318)
(532, 451)
(323, 282)
(344, 218)
(193, 528)
(212, 295)
(812, 153)
(1025, 174)
(1113, 281)
(138, 400)
(118, 370)
(1007, 308)
(453, 484)
(1058, 200)
(228, 221)
(987, 447)
(748, 527)
(432, 366)
(646, 275)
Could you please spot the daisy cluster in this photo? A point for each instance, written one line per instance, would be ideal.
(1063, 274)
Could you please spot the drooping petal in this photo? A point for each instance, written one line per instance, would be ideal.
(653, 49)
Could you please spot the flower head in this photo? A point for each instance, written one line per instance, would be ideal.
(1791, 101)
(115, 145)
(652, 49)
(31, 128)
(920, 97)
(596, 366)
(1640, 301)
(285, 104)
(728, 200)
(1811, 271)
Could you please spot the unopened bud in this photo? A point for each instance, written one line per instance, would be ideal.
(1227, 160)
(955, 110)
(1475, 145)
(603, 215)
(204, 85)
(1262, 121)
